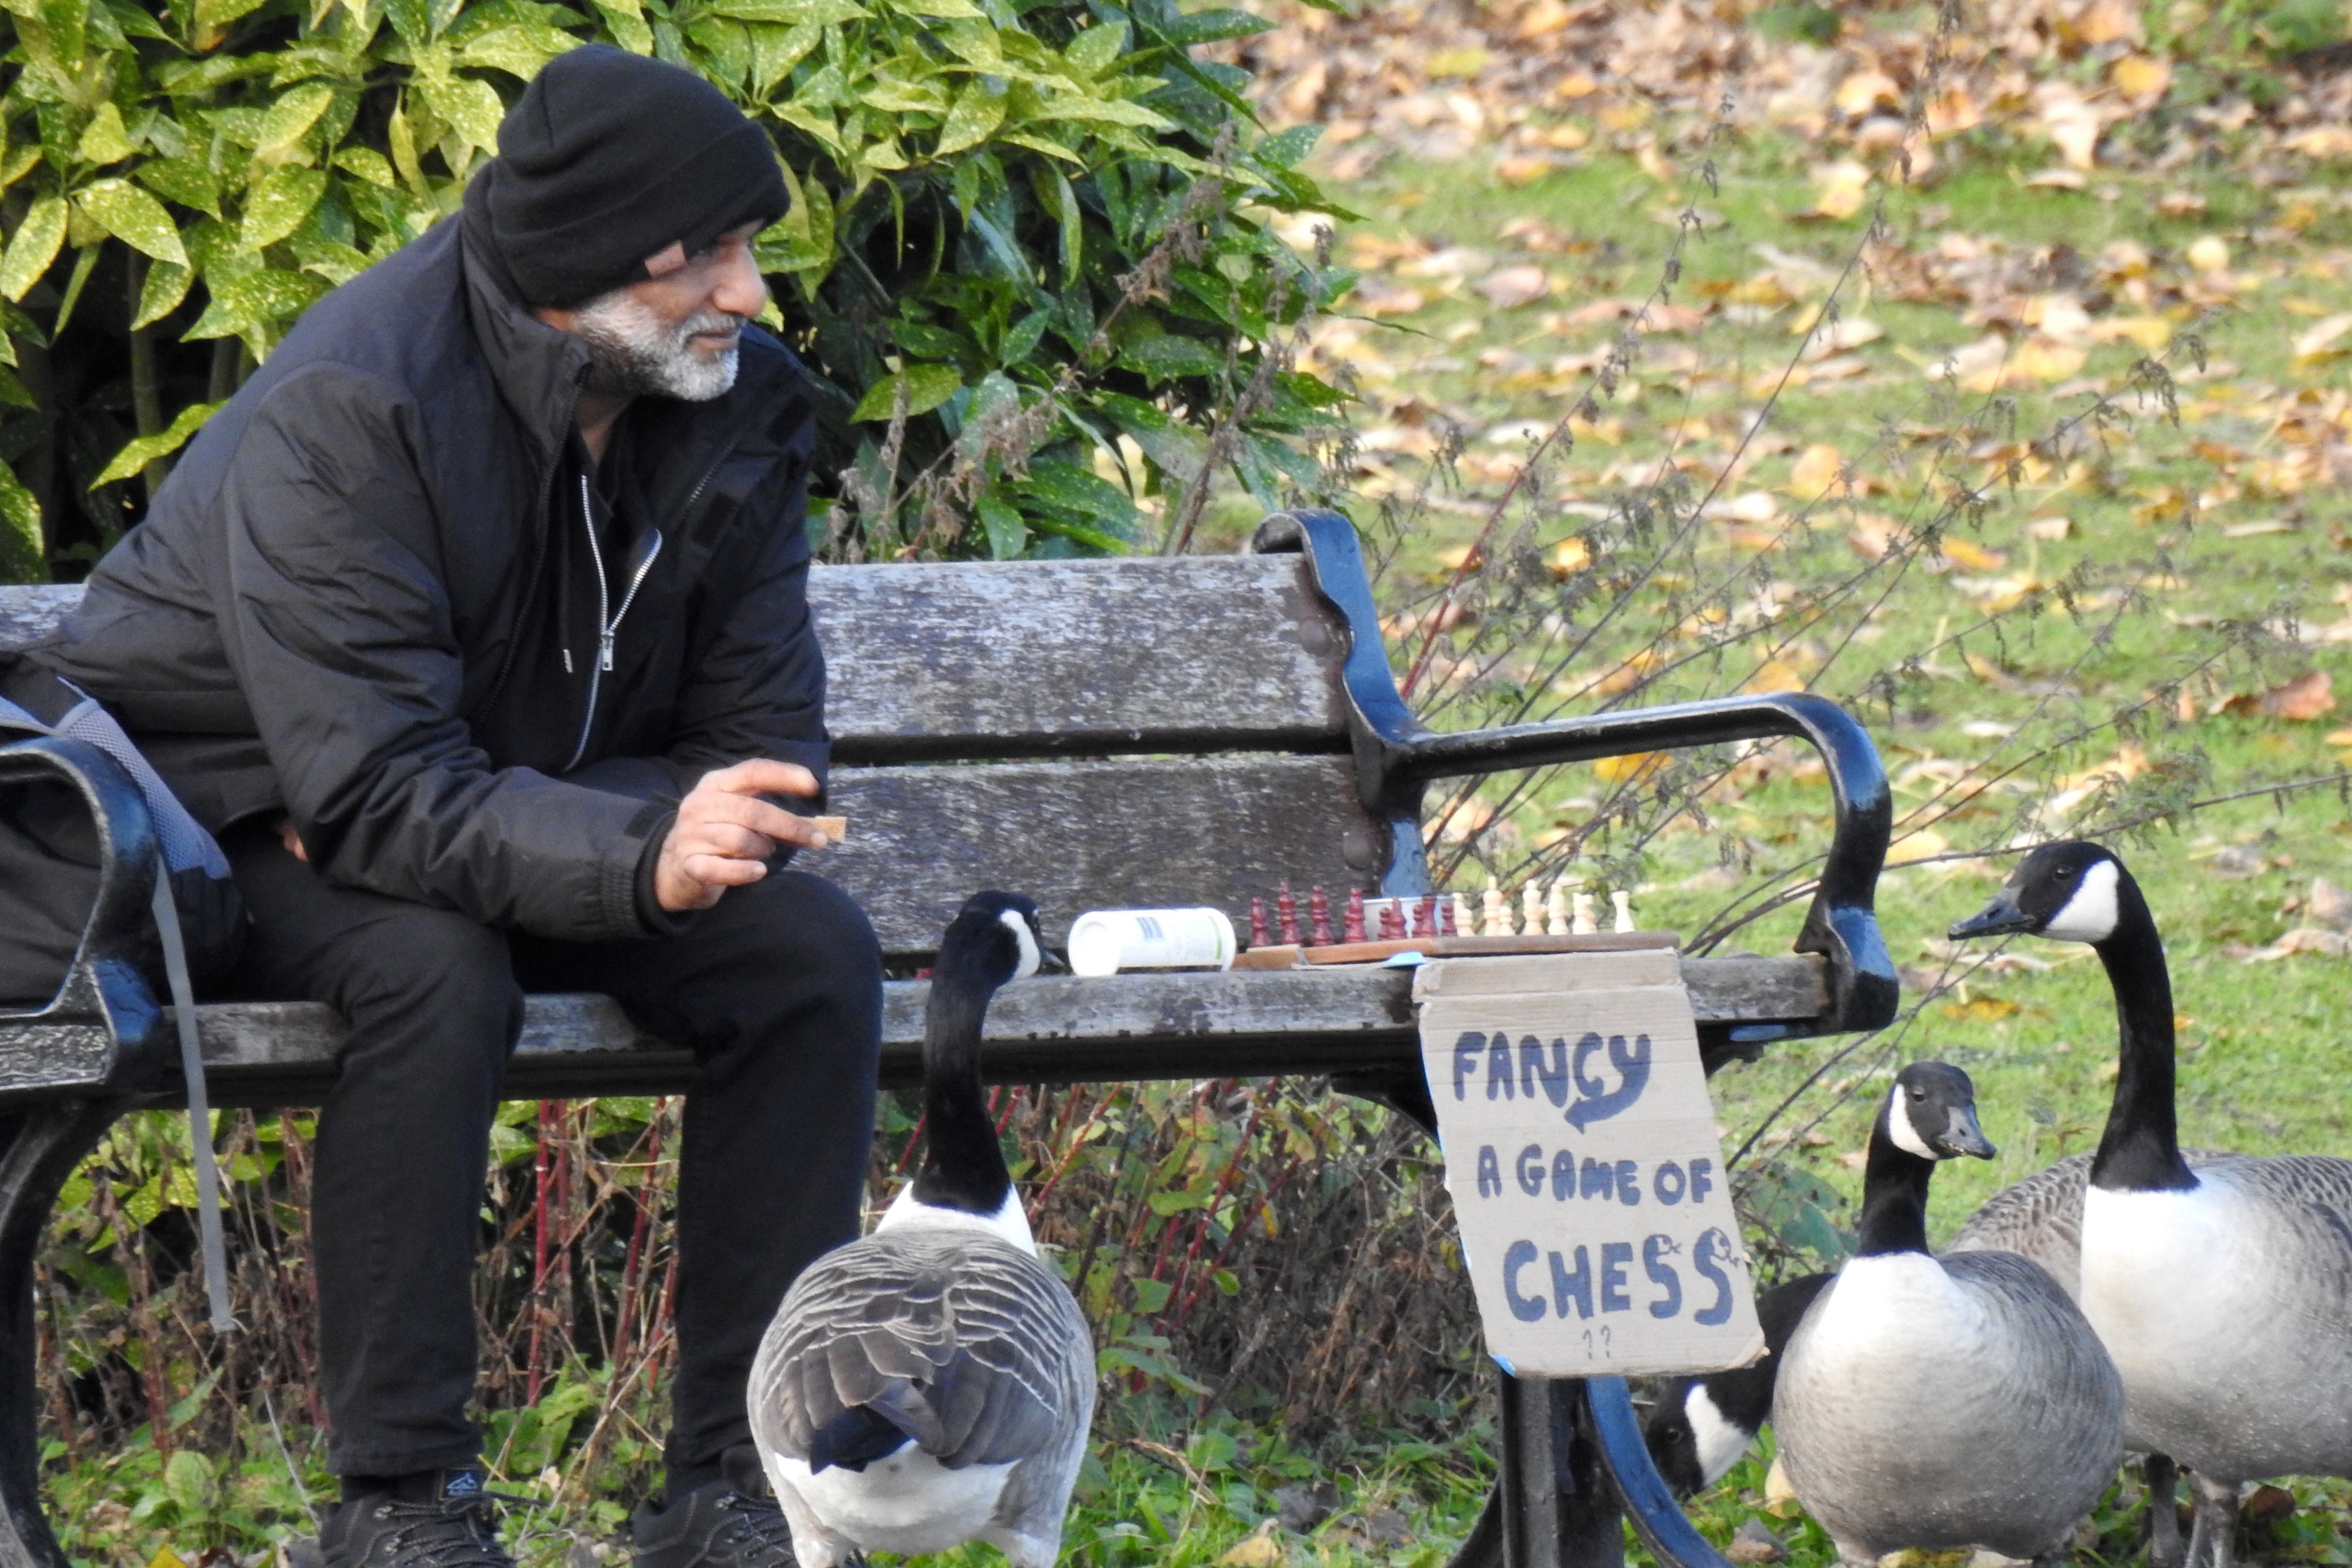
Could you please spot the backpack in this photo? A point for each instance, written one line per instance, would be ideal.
(52, 859)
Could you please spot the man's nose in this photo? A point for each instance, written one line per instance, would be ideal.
(739, 290)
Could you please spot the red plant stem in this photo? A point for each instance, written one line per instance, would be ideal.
(538, 1171)
(1070, 1146)
(1208, 1215)
(907, 1155)
(638, 1237)
(1234, 1237)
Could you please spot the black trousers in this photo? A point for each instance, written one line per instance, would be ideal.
(777, 989)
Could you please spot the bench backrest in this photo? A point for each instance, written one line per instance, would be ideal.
(1131, 733)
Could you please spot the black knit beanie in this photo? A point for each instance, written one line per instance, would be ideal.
(609, 158)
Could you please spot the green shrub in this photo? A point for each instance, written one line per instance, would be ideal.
(1022, 232)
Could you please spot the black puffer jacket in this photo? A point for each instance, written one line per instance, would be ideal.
(338, 607)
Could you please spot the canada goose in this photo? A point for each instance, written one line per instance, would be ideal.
(2040, 1217)
(933, 1382)
(1941, 1402)
(1700, 1426)
(2224, 1292)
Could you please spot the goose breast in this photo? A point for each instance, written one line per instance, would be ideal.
(1941, 1402)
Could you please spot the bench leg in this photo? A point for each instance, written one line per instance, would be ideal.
(39, 1147)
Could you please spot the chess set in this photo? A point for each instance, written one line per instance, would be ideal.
(1565, 919)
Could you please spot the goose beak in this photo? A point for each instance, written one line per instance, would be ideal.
(1999, 918)
(1050, 962)
(1965, 1138)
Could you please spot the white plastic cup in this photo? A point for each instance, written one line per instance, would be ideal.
(1106, 941)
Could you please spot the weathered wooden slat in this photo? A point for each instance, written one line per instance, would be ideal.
(1053, 1029)
(1031, 658)
(1095, 657)
(1076, 836)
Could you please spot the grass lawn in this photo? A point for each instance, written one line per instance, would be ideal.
(1485, 309)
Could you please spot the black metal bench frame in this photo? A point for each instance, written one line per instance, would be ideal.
(1572, 1461)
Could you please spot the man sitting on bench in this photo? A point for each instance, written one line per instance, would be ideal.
(475, 625)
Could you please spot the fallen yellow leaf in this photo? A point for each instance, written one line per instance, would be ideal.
(1840, 189)
(2208, 253)
(1975, 557)
(1982, 1008)
(1569, 556)
(1815, 471)
(1253, 1551)
(2141, 77)
(2324, 339)
(1628, 768)
(1776, 676)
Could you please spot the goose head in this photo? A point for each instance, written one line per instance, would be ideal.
(1931, 1112)
(2069, 892)
(994, 940)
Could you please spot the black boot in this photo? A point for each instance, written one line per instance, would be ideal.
(448, 1527)
(731, 1522)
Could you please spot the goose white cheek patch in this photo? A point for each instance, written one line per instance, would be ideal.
(1898, 1127)
(1720, 1440)
(1030, 958)
(2092, 914)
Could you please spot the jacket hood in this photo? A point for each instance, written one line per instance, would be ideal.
(538, 368)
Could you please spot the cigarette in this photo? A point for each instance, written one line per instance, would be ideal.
(835, 829)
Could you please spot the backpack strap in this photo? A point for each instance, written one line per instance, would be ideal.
(183, 843)
(200, 1118)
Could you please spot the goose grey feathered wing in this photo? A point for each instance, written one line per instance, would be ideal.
(1952, 1401)
(973, 1348)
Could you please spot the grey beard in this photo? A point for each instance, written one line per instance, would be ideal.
(635, 353)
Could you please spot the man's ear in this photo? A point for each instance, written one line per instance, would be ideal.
(664, 262)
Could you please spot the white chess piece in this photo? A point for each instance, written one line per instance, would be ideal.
(1498, 922)
(1464, 925)
(1585, 924)
(1625, 904)
(1531, 909)
(1555, 909)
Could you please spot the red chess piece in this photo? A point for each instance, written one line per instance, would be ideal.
(1445, 924)
(1257, 922)
(1351, 927)
(1318, 914)
(1391, 922)
(1425, 918)
(1286, 911)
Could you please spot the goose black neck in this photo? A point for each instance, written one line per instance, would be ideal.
(2140, 1150)
(1893, 1198)
(963, 1167)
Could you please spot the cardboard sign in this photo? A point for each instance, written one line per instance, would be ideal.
(1580, 1148)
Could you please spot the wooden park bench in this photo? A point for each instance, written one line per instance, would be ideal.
(1098, 733)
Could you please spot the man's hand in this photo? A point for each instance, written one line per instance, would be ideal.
(725, 833)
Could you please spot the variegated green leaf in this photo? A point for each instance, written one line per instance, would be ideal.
(293, 115)
(471, 108)
(241, 303)
(33, 247)
(134, 217)
(103, 139)
(927, 386)
(369, 164)
(823, 12)
(67, 23)
(166, 286)
(187, 181)
(136, 454)
(1093, 51)
(979, 110)
(276, 207)
(216, 14)
(944, 10)
(626, 19)
(518, 51)
(24, 555)
(776, 49)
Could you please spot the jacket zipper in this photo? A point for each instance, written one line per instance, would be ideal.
(607, 629)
